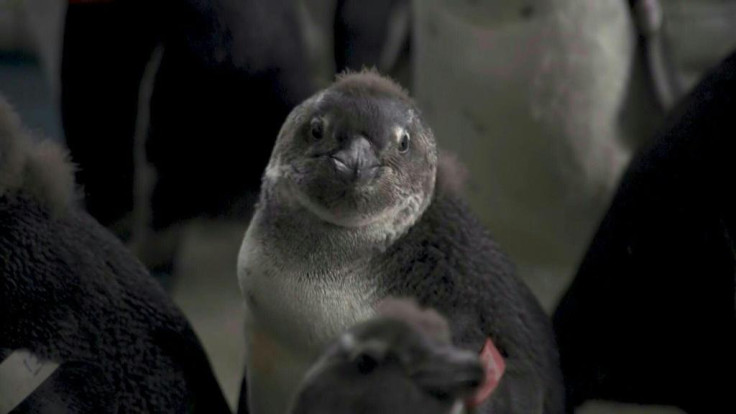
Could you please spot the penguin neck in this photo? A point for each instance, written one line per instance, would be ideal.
(301, 234)
(295, 230)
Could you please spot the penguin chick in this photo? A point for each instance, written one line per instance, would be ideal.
(77, 305)
(353, 209)
(38, 168)
(401, 361)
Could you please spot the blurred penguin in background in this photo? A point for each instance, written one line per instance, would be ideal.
(83, 326)
(401, 361)
(543, 101)
(650, 317)
(30, 49)
(352, 35)
(546, 101)
(375, 34)
(195, 91)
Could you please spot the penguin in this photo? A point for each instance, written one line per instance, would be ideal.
(376, 34)
(401, 361)
(83, 326)
(353, 209)
(494, 79)
(202, 77)
(650, 317)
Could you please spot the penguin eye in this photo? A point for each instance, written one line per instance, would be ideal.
(404, 142)
(316, 128)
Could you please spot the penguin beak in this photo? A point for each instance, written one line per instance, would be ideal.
(356, 161)
(449, 372)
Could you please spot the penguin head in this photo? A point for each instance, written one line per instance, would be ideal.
(391, 364)
(357, 153)
(38, 168)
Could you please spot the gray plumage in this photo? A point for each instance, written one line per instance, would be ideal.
(71, 293)
(350, 214)
(402, 361)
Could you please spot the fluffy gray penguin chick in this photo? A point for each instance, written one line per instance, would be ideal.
(401, 361)
(40, 169)
(353, 209)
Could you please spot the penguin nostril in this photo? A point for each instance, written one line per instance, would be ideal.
(355, 160)
(340, 165)
(366, 363)
(354, 170)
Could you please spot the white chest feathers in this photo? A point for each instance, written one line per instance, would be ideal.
(294, 304)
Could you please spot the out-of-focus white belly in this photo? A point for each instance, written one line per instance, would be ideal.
(292, 313)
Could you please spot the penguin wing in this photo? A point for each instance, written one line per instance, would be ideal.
(32, 386)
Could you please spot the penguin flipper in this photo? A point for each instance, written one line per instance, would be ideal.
(75, 387)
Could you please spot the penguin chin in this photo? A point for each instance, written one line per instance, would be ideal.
(337, 215)
(341, 203)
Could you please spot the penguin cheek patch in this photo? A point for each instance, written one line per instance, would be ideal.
(494, 367)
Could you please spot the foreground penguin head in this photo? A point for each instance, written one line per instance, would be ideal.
(399, 362)
(38, 168)
(356, 154)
